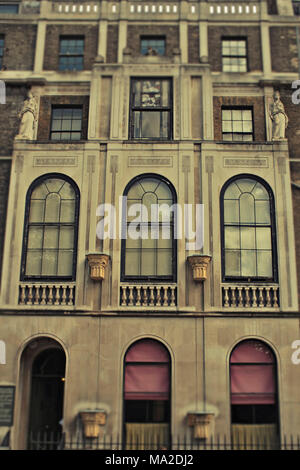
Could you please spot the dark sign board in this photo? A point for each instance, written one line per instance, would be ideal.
(7, 396)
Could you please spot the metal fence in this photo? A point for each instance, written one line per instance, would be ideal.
(51, 441)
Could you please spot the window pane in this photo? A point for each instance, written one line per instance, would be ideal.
(231, 211)
(150, 124)
(66, 237)
(263, 238)
(54, 185)
(148, 259)
(132, 263)
(49, 263)
(232, 263)
(232, 192)
(164, 263)
(248, 263)
(51, 237)
(52, 208)
(33, 263)
(262, 212)
(36, 210)
(67, 191)
(248, 237)
(67, 213)
(247, 215)
(35, 237)
(232, 237)
(65, 263)
(264, 263)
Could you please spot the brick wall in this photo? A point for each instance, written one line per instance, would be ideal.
(272, 7)
(257, 103)
(46, 103)
(135, 32)
(53, 33)
(112, 43)
(252, 34)
(9, 120)
(293, 113)
(19, 46)
(284, 52)
(4, 185)
(193, 44)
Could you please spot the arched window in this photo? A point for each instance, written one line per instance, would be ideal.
(253, 377)
(147, 395)
(248, 225)
(148, 240)
(50, 232)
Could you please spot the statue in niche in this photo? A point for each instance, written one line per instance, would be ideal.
(279, 118)
(28, 116)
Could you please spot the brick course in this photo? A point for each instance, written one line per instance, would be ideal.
(135, 32)
(252, 34)
(19, 46)
(46, 103)
(53, 33)
(193, 41)
(293, 113)
(284, 52)
(257, 103)
(9, 120)
(112, 43)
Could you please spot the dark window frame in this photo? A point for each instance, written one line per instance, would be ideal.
(153, 279)
(161, 109)
(14, 7)
(63, 55)
(153, 38)
(233, 56)
(34, 184)
(296, 7)
(62, 106)
(256, 279)
(238, 108)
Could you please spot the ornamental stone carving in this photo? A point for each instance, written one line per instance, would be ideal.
(199, 265)
(97, 263)
(28, 116)
(278, 117)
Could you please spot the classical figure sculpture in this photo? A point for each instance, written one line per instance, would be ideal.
(279, 118)
(28, 116)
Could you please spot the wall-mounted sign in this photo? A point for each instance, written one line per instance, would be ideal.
(7, 397)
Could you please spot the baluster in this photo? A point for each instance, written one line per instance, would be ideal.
(130, 298)
(172, 300)
(254, 299)
(247, 297)
(124, 296)
(29, 301)
(226, 296)
(64, 295)
(240, 297)
(275, 297)
(138, 296)
(36, 295)
(57, 295)
(43, 297)
(71, 296)
(22, 295)
(260, 297)
(233, 297)
(151, 295)
(268, 298)
(50, 296)
(144, 296)
(165, 296)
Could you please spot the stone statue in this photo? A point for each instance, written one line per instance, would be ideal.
(28, 116)
(279, 118)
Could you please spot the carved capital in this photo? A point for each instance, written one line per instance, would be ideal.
(97, 263)
(199, 265)
(201, 422)
(92, 420)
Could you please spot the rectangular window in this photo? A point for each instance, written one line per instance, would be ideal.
(1, 51)
(296, 6)
(234, 55)
(151, 109)
(66, 123)
(71, 53)
(153, 45)
(237, 124)
(9, 8)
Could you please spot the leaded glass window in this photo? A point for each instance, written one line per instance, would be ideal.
(234, 55)
(237, 124)
(71, 53)
(50, 239)
(248, 230)
(66, 123)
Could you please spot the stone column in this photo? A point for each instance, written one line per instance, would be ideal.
(266, 49)
(40, 46)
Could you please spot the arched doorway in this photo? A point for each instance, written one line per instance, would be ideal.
(39, 410)
(254, 402)
(147, 396)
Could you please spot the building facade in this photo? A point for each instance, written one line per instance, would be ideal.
(189, 104)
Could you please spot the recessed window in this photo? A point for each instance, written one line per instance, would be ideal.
(7, 8)
(1, 51)
(248, 241)
(153, 45)
(66, 123)
(151, 109)
(237, 124)
(234, 55)
(50, 237)
(71, 53)
(296, 6)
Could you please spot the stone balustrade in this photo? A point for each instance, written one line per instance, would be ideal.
(47, 294)
(250, 296)
(150, 295)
